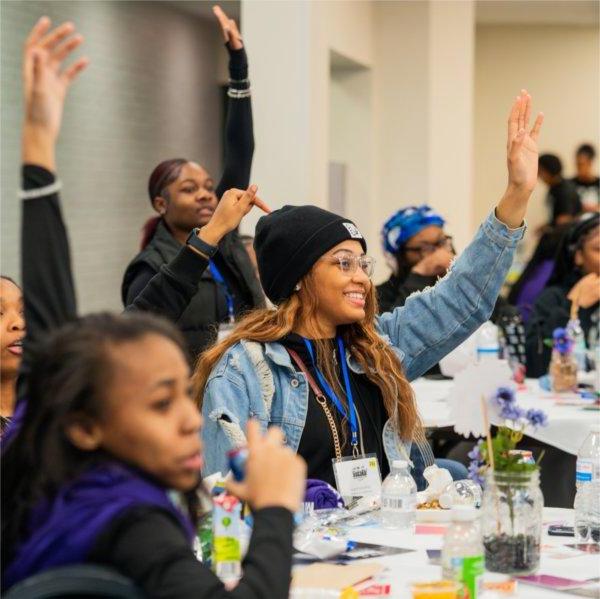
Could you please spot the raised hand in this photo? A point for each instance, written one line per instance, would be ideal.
(522, 161)
(45, 85)
(233, 206)
(521, 149)
(229, 28)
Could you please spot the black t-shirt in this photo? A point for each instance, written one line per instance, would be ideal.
(589, 191)
(563, 199)
(316, 444)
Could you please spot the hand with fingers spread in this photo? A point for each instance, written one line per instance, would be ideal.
(45, 84)
(230, 211)
(230, 30)
(275, 475)
(522, 160)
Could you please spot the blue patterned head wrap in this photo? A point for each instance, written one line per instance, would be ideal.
(406, 223)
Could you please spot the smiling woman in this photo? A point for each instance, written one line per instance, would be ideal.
(323, 365)
(185, 197)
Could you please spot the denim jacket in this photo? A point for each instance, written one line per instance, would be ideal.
(253, 380)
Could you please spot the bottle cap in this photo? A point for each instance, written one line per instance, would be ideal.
(399, 464)
(464, 513)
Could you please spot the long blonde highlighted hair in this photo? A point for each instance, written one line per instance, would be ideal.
(379, 361)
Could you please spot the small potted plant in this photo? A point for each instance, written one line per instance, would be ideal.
(512, 498)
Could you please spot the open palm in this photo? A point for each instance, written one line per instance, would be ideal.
(45, 81)
(522, 150)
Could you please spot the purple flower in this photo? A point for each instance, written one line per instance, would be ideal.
(475, 453)
(562, 341)
(536, 417)
(511, 412)
(506, 394)
(475, 473)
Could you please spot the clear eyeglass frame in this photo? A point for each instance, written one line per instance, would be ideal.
(349, 263)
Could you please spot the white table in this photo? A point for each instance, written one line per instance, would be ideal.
(414, 566)
(568, 425)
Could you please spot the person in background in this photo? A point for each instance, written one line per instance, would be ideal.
(531, 282)
(586, 182)
(562, 199)
(12, 332)
(108, 430)
(185, 197)
(314, 268)
(575, 278)
(419, 252)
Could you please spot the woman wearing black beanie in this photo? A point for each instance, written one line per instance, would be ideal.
(323, 365)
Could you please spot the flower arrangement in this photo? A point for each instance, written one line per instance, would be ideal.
(561, 341)
(504, 459)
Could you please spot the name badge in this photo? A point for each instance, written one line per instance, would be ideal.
(357, 477)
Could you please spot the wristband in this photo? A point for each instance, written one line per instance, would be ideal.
(200, 245)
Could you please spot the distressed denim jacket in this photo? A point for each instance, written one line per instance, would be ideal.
(253, 380)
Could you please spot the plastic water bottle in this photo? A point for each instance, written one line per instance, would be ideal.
(398, 497)
(488, 343)
(579, 348)
(462, 553)
(588, 458)
(587, 513)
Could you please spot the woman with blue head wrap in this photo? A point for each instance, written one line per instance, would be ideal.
(418, 250)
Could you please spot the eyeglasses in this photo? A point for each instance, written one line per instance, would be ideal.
(348, 264)
(429, 248)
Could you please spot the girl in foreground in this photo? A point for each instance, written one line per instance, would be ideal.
(108, 432)
(314, 267)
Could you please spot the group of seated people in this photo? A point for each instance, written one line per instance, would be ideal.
(107, 418)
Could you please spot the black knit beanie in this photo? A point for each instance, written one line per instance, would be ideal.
(290, 240)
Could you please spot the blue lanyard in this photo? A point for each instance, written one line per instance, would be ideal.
(331, 394)
(218, 277)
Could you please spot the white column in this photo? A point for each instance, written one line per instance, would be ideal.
(451, 91)
(277, 37)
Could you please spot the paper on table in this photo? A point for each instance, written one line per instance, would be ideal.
(332, 576)
(475, 381)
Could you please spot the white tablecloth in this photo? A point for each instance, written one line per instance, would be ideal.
(568, 425)
(414, 566)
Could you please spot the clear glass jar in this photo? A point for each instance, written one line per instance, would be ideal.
(512, 522)
(563, 372)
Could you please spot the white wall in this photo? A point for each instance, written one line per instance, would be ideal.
(559, 65)
(150, 93)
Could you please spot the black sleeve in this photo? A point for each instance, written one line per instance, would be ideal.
(413, 282)
(149, 547)
(48, 289)
(550, 311)
(169, 291)
(239, 134)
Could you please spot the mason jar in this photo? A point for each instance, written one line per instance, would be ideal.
(563, 372)
(512, 522)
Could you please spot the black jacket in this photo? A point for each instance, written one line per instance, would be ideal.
(199, 322)
(208, 307)
(552, 310)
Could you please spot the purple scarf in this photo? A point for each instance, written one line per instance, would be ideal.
(65, 528)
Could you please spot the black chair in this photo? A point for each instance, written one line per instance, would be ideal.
(83, 582)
